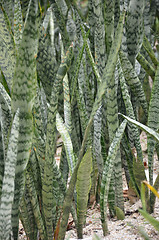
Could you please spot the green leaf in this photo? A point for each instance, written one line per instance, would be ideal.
(139, 172)
(24, 82)
(27, 216)
(153, 122)
(23, 94)
(6, 114)
(109, 70)
(149, 50)
(146, 65)
(7, 56)
(35, 203)
(67, 142)
(83, 186)
(148, 130)
(134, 132)
(133, 81)
(8, 180)
(134, 28)
(119, 213)
(150, 219)
(18, 23)
(2, 157)
(107, 172)
(51, 171)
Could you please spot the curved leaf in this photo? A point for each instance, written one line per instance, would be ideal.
(67, 142)
(8, 181)
(107, 172)
(148, 130)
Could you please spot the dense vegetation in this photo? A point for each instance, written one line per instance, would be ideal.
(82, 70)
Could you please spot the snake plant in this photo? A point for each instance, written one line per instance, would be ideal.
(68, 73)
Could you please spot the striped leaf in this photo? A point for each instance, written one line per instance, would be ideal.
(7, 195)
(67, 142)
(130, 112)
(133, 81)
(35, 203)
(146, 65)
(7, 64)
(153, 123)
(8, 8)
(24, 82)
(50, 168)
(23, 94)
(134, 28)
(149, 50)
(6, 114)
(18, 23)
(107, 172)
(27, 216)
(148, 130)
(2, 158)
(83, 186)
(107, 74)
(46, 62)
(109, 23)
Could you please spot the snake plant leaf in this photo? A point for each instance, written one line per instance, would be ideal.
(6, 114)
(27, 216)
(67, 104)
(153, 122)
(153, 196)
(99, 37)
(97, 140)
(133, 81)
(149, 50)
(8, 180)
(139, 172)
(8, 7)
(50, 169)
(60, 18)
(83, 186)
(24, 6)
(24, 82)
(110, 66)
(23, 94)
(109, 23)
(134, 28)
(107, 172)
(35, 204)
(130, 112)
(119, 213)
(7, 64)
(146, 65)
(2, 159)
(151, 188)
(67, 142)
(150, 219)
(18, 23)
(148, 130)
(46, 62)
(109, 70)
(94, 67)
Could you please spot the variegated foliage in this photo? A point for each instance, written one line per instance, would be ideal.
(66, 72)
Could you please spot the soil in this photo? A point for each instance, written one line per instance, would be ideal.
(127, 229)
